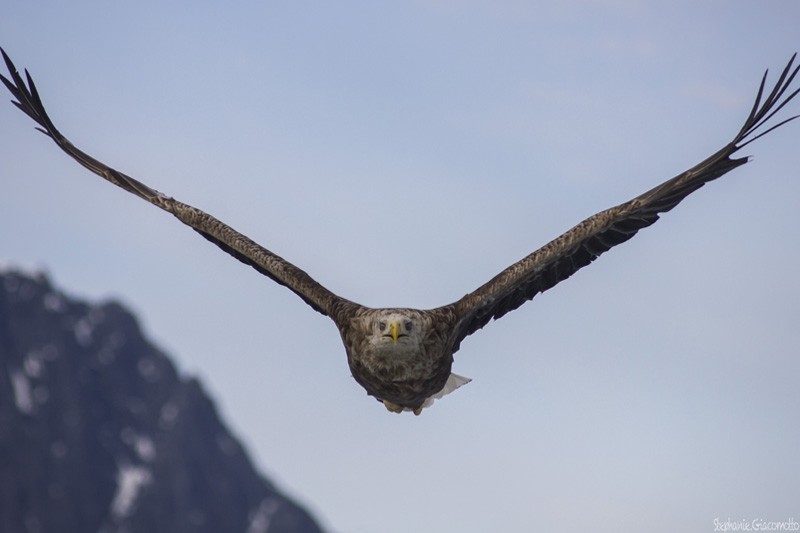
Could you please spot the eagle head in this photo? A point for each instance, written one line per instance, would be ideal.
(394, 327)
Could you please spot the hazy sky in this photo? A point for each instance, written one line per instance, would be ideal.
(403, 153)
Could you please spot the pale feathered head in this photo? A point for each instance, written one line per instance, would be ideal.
(397, 327)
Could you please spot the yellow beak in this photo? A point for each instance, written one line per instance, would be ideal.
(394, 330)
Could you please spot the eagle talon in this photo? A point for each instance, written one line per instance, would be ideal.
(393, 407)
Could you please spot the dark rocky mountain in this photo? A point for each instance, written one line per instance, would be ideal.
(99, 433)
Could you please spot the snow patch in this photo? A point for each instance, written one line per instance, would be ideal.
(84, 328)
(130, 480)
(141, 444)
(22, 392)
(34, 364)
(147, 369)
(54, 302)
(261, 517)
(83, 331)
(145, 448)
(169, 413)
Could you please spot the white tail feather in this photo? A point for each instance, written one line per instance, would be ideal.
(453, 382)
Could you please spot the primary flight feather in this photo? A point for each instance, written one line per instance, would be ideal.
(403, 357)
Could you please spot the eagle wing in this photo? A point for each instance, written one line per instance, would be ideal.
(562, 257)
(228, 239)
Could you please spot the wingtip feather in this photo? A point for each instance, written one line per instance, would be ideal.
(763, 111)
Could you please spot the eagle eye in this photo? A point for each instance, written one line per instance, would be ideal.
(408, 325)
(382, 325)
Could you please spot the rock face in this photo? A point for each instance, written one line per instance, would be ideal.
(98, 432)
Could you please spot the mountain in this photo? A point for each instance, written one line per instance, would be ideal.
(99, 433)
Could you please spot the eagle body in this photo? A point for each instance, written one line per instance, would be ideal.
(405, 372)
(403, 357)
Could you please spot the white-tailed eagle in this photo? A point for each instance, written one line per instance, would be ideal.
(402, 356)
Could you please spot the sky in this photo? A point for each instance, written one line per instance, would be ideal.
(403, 153)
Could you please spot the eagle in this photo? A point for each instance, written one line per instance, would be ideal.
(403, 357)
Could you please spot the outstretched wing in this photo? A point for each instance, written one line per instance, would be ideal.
(562, 257)
(231, 241)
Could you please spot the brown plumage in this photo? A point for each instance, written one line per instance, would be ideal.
(403, 357)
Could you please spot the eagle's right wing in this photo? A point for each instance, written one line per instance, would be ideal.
(228, 239)
(565, 255)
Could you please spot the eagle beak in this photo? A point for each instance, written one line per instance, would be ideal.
(394, 331)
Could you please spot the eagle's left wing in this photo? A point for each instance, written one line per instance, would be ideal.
(224, 236)
(562, 257)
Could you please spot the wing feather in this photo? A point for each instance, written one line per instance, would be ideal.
(562, 257)
(228, 239)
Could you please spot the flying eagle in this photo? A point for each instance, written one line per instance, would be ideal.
(403, 357)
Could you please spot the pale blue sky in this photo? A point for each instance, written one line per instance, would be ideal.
(403, 153)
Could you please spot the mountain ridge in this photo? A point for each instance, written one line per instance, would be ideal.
(99, 431)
